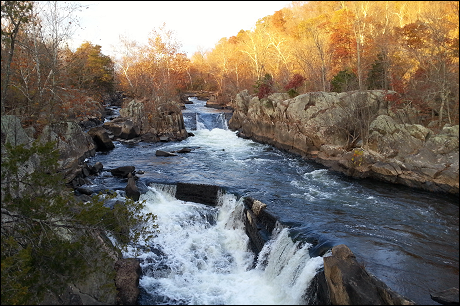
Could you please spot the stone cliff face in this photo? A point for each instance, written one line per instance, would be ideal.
(353, 133)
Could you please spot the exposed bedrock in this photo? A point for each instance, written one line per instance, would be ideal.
(317, 126)
(165, 121)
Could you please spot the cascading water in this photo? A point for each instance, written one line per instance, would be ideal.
(201, 256)
(407, 238)
(210, 121)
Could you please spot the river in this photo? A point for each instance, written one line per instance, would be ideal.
(407, 238)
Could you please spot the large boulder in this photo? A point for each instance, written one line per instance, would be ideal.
(198, 193)
(12, 131)
(123, 171)
(73, 144)
(127, 281)
(164, 153)
(97, 285)
(101, 139)
(129, 130)
(350, 284)
(131, 189)
(124, 128)
(114, 126)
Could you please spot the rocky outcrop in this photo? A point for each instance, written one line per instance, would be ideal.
(350, 284)
(73, 144)
(127, 281)
(123, 128)
(97, 285)
(164, 120)
(321, 126)
(84, 171)
(258, 223)
(12, 131)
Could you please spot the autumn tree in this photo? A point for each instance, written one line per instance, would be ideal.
(264, 86)
(198, 71)
(432, 46)
(156, 70)
(91, 70)
(38, 80)
(14, 14)
(315, 58)
(408, 47)
(342, 43)
(254, 45)
(295, 82)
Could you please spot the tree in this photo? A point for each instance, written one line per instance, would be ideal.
(316, 29)
(295, 82)
(46, 235)
(254, 45)
(377, 76)
(342, 43)
(345, 80)
(14, 15)
(157, 70)
(91, 70)
(264, 86)
(432, 45)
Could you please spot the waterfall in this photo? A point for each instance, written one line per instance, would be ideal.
(210, 121)
(201, 256)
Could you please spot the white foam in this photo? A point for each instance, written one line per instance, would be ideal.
(210, 263)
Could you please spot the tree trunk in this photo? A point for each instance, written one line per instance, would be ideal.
(8, 65)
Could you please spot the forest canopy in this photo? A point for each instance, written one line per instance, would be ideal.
(410, 48)
(407, 47)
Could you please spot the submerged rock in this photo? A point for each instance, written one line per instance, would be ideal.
(164, 153)
(446, 297)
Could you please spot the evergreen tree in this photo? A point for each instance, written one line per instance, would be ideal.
(345, 80)
(376, 78)
(46, 233)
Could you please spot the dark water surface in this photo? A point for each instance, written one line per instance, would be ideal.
(407, 238)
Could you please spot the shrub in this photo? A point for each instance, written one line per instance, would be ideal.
(295, 82)
(292, 93)
(264, 86)
(345, 80)
(357, 158)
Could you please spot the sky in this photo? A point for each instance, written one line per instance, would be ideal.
(197, 25)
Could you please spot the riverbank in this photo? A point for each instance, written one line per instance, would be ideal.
(318, 126)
